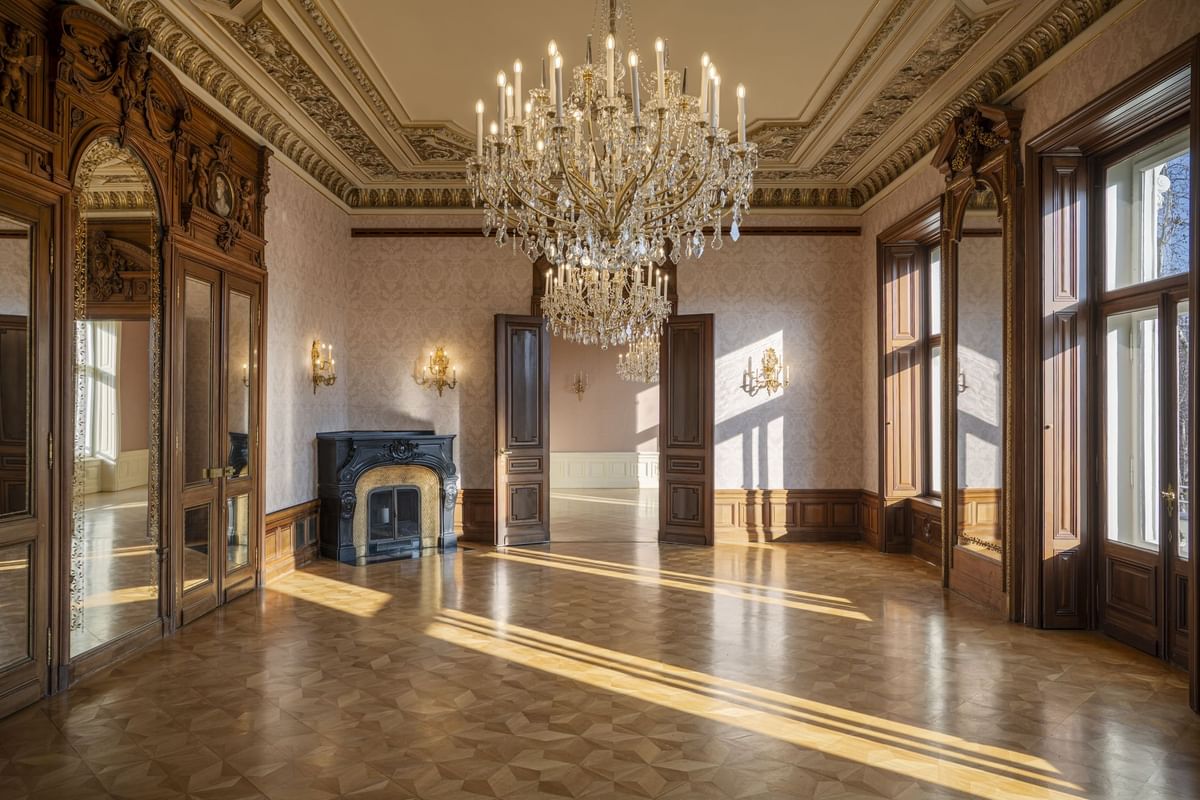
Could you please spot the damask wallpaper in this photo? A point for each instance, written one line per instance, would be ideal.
(410, 295)
(309, 278)
(800, 295)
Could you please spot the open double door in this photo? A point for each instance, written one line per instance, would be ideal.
(522, 468)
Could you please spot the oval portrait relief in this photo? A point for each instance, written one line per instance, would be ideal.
(221, 198)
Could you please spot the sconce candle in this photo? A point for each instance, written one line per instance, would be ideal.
(579, 385)
(324, 372)
(437, 373)
(771, 375)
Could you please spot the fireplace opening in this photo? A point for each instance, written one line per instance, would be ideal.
(394, 516)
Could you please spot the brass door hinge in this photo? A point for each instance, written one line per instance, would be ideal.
(49, 645)
(50, 450)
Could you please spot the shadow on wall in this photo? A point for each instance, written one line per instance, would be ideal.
(750, 429)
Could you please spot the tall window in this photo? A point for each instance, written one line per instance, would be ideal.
(100, 389)
(1146, 328)
(933, 375)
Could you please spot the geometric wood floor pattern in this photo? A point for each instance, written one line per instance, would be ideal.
(613, 671)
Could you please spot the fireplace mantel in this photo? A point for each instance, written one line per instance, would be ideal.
(345, 456)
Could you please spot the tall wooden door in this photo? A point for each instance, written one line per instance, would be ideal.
(685, 493)
(522, 484)
(24, 454)
(1145, 512)
(218, 438)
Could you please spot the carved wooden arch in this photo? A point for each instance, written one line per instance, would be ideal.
(981, 148)
(95, 57)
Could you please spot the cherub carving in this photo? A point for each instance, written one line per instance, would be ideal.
(14, 63)
(245, 213)
(133, 66)
(199, 194)
(104, 278)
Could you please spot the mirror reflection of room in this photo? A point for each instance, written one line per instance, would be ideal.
(15, 559)
(980, 391)
(604, 448)
(115, 575)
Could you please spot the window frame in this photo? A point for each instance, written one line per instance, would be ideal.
(929, 341)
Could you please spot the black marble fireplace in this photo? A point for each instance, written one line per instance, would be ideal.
(385, 494)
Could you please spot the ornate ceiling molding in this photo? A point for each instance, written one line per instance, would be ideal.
(275, 54)
(177, 45)
(1045, 39)
(814, 163)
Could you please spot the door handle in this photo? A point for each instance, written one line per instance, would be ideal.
(1170, 497)
(214, 472)
(504, 452)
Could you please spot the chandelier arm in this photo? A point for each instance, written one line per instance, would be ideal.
(526, 203)
(592, 146)
(570, 178)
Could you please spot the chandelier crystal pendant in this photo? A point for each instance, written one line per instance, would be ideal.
(604, 173)
(640, 364)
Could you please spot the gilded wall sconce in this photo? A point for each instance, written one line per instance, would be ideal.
(324, 365)
(438, 374)
(579, 385)
(771, 375)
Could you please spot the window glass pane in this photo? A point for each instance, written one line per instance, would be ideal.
(1183, 351)
(935, 290)
(239, 365)
(196, 525)
(935, 419)
(15, 272)
(197, 376)
(1131, 428)
(1146, 209)
(237, 538)
(15, 612)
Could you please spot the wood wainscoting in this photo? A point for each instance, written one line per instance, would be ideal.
(473, 516)
(791, 515)
(291, 539)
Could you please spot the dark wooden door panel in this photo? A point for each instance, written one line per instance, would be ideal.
(686, 449)
(1131, 598)
(522, 488)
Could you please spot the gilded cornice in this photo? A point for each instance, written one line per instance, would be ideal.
(778, 140)
(1046, 38)
(272, 51)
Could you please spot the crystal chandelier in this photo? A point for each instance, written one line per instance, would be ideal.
(640, 364)
(592, 174)
(605, 306)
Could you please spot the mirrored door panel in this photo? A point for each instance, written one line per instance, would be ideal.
(241, 322)
(201, 455)
(24, 508)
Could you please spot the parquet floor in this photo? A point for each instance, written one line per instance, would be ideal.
(604, 515)
(614, 671)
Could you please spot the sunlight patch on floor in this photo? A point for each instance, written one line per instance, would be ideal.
(919, 753)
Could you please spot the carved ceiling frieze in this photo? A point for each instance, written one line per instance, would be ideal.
(941, 50)
(267, 46)
(829, 177)
(1045, 39)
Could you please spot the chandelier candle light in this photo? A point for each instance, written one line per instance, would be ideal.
(640, 364)
(590, 176)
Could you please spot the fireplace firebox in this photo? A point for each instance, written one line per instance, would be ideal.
(385, 494)
(394, 516)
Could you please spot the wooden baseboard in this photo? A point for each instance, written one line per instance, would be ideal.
(473, 516)
(790, 515)
(291, 539)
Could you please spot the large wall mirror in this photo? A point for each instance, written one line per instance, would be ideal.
(115, 575)
(979, 246)
(16, 380)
